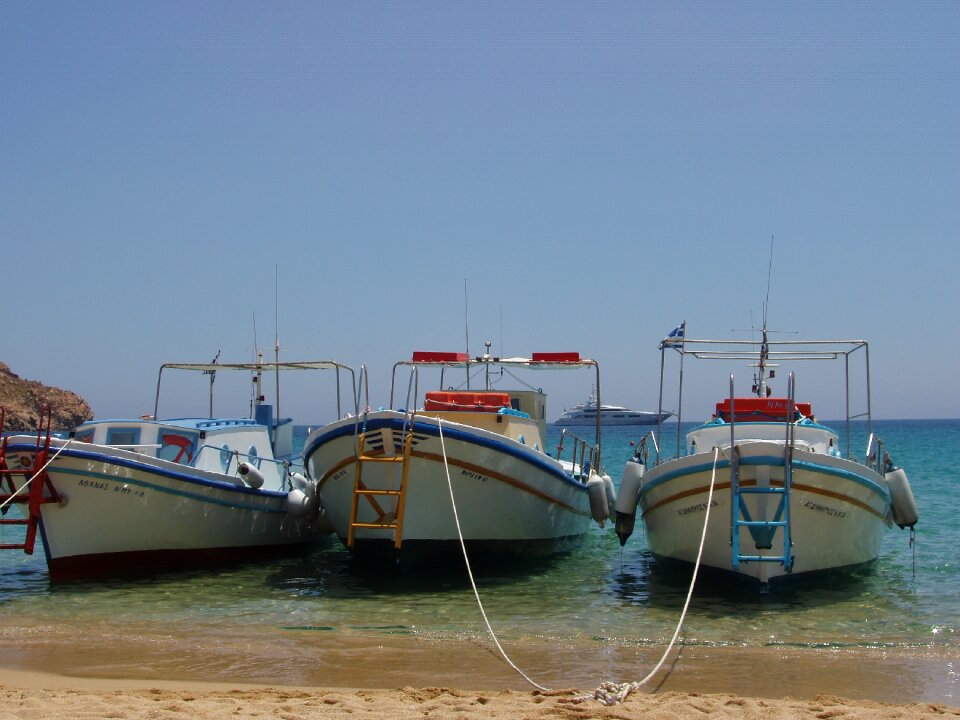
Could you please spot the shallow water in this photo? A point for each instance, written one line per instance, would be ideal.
(599, 606)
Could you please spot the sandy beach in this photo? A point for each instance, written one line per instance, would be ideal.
(405, 679)
(35, 695)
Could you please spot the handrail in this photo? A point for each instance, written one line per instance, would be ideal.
(876, 458)
(237, 454)
(733, 416)
(413, 384)
(583, 456)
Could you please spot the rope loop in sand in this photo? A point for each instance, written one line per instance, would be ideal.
(610, 693)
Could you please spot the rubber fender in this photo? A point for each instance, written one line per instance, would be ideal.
(597, 491)
(251, 476)
(902, 503)
(630, 485)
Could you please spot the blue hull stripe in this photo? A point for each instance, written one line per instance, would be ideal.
(773, 461)
(448, 432)
(239, 490)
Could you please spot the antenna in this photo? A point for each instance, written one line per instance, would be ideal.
(466, 326)
(255, 348)
(760, 379)
(276, 335)
(766, 301)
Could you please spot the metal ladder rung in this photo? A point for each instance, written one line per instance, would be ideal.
(381, 458)
(376, 526)
(365, 491)
(761, 558)
(762, 523)
(761, 490)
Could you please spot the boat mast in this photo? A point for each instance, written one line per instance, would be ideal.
(760, 380)
(466, 328)
(486, 362)
(258, 384)
(213, 376)
(276, 336)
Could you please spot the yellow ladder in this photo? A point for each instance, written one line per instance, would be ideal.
(362, 491)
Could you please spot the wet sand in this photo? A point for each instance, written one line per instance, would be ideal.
(333, 676)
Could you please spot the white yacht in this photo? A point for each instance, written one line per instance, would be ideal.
(585, 413)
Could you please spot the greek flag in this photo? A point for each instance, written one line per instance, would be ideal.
(675, 338)
(211, 373)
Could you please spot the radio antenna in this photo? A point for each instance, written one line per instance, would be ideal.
(276, 335)
(466, 327)
(766, 301)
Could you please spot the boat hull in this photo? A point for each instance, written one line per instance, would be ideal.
(838, 511)
(123, 511)
(510, 497)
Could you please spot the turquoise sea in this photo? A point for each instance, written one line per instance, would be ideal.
(598, 613)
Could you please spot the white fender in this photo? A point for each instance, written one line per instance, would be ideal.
(626, 508)
(597, 491)
(630, 485)
(611, 494)
(297, 503)
(306, 486)
(251, 476)
(299, 481)
(902, 503)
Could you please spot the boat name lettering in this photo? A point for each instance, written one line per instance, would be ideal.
(339, 474)
(93, 484)
(122, 489)
(833, 512)
(127, 490)
(474, 475)
(699, 507)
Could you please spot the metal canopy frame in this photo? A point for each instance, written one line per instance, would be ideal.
(463, 361)
(766, 351)
(261, 367)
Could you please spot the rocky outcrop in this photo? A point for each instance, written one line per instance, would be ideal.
(23, 399)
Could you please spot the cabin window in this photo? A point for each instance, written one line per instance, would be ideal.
(252, 457)
(515, 403)
(226, 455)
(123, 436)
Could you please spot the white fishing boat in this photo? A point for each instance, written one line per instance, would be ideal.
(143, 494)
(785, 494)
(389, 479)
(587, 412)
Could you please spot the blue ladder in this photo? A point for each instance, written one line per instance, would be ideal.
(762, 531)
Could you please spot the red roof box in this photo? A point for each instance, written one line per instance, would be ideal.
(429, 356)
(754, 409)
(556, 357)
(466, 401)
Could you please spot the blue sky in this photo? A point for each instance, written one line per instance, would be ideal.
(593, 172)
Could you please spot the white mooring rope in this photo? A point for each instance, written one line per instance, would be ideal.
(466, 560)
(609, 693)
(35, 475)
